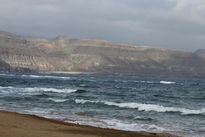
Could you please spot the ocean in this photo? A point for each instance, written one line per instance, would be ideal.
(170, 105)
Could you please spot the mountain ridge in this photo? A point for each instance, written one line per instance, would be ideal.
(68, 54)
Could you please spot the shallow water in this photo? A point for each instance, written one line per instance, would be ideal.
(172, 105)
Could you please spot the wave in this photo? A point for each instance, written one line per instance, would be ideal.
(148, 82)
(11, 75)
(82, 101)
(129, 126)
(54, 90)
(143, 119)
(58, 100)
(90, 114)
(155, 82)
(80, 91)
(36, 111)
(115, 124)
(38, 76)
(4, 87)
(46, 76)
(41, 95)
(146, 107)
(167, 82)
(39, 89)
(88, 86)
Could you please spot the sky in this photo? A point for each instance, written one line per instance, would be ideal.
(176, 24)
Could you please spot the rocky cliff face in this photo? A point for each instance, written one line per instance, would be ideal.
(201, 53)
(4, 65)
(98, 56)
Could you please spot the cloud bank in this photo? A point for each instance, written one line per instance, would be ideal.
(164, 23)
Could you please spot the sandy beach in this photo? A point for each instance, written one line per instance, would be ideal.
(20, 125)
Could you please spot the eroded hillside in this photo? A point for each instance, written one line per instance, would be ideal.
(97, 56)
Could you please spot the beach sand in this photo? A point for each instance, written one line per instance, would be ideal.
(20, 125)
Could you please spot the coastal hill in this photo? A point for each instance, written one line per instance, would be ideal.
(200, 52)
(4, 65)
(65, 54)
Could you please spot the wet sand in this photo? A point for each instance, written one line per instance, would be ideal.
(20, 125)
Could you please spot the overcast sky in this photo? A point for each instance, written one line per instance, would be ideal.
(176, 24)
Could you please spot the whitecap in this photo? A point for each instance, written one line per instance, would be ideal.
(10, 75)
(167, 82)
(56, 90)
(147, 107)
(39, 89)
(82, 101)
(83, 85)
(6, 87)
(46, 76)
(58, 100)
(142, 81)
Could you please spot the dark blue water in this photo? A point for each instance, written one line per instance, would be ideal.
(170, 105)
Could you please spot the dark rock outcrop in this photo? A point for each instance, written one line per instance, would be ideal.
(4, 66)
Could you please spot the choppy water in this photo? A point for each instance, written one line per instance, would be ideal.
(174, 105)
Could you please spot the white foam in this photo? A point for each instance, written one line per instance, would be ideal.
(122, 125)
(36, 112)
(56, 90)
(155, 127)
(153, 82)
(7, 75)
(38, 76)
(6, 87)
(82, 85)
(118, 124)
(58, 100)
(142, 81)
(167, 82)
(82, 101)
(46, 76)
(35, 89)
(146, 107)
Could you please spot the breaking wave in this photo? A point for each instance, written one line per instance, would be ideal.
(142, 81)
(58, 100)
(11, 75)
(54, 90)
(118, 124)
(35, 89)
(38, 76)
(44, 77)
(146, 107)
(80, 91)
(156, 82)
(167, 82)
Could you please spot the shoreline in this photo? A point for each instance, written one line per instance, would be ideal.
(70, 72)
(13, 124)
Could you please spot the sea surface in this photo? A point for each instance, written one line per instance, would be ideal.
(171, 105)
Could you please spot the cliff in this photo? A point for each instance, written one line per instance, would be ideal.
(97, 56)
(200, 52)
(4, 65)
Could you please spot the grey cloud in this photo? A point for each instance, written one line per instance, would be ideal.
(166, 23)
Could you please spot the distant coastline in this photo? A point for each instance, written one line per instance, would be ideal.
(85, 56)
(70, 72)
